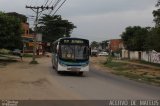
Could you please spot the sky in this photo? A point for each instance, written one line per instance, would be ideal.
(96, 20)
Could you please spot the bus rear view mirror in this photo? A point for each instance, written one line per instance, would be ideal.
(57, 49)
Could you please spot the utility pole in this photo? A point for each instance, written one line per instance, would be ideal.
(37, 10)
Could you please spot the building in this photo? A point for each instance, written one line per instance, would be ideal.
(27, 38)
(115, 45)
(28, 41)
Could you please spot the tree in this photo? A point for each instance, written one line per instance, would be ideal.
(54, 27)
(22, 17)
(134, 38)
(10, 32)
(105, 44)
(94, 44)
(156, 14)
(153, 40)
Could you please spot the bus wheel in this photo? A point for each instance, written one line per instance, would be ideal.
(80, 73)
(53, 67)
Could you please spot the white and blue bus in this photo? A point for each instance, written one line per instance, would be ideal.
(71, 54)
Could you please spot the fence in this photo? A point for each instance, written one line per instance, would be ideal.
(151, 56)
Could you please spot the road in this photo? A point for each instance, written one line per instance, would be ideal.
(99, 85)
(40, 82)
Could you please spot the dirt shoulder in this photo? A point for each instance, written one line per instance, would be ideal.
(23, 81)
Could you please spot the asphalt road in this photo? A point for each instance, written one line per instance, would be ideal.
(100, 85)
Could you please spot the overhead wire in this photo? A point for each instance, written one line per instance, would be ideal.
(29, 2)
(45, 4)
(54, 6)
(59, 7)
(54, 3)
(51, 3)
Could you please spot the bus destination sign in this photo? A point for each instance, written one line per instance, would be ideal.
(73, 41)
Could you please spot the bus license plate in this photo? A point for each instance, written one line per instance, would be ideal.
(74, 69)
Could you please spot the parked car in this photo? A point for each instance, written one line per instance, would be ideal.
(103, 54)
(94, 53)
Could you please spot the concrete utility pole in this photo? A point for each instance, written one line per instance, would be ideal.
(37, 10)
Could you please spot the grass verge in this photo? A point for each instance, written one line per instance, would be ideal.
(27, 55)
(33, 62)
(135, 72)
(149, 63)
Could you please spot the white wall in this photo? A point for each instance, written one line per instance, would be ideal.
(151, 56)
(134, 55)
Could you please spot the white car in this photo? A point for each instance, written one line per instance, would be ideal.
(103, 54)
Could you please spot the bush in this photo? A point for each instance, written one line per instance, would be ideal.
(5, 51)
(109, 59)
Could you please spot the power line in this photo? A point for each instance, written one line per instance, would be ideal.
(54, 6)
(45, 4)
(59, 7)
(29, 1)
(51, 3)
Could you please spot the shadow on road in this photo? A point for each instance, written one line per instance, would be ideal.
(72, 74)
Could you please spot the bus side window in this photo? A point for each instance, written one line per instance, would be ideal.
(84, 52)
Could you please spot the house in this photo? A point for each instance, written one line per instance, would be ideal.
(27, 38)
(115, 45)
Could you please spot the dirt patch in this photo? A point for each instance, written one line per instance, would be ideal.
(4, 63)
(39, 82)
(97, 62)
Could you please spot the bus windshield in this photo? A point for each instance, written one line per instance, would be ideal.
(74, 52)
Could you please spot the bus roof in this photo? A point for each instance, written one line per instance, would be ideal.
(70, 38)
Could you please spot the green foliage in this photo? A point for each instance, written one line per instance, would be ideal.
(34, 62)
(109, 59)
(10, 32)
(5, 51)
(149, 63)
(156, 14)
(134, 38)
(94, 44)
(118, 66)
(27, 55)
(21, 17)
(54, 27)
(104, 44)
(153, 40)
(143, 39)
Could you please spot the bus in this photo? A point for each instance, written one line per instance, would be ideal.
(71, 54)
